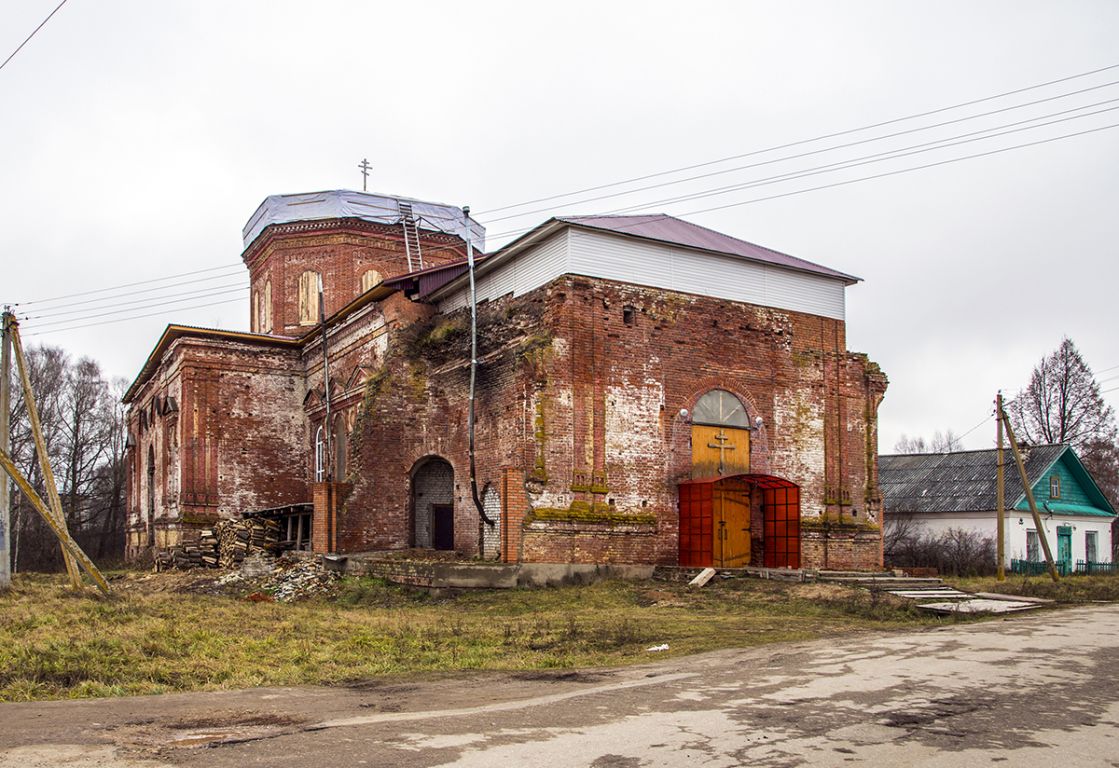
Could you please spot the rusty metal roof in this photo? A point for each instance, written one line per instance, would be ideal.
(669, 229)
(963, 481)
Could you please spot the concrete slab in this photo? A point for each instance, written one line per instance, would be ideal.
(978, 605)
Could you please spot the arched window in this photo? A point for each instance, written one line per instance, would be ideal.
(309, 298)
(320, 455)
(254, 326)
(341, 446)
(370, 278)
(719, 408)
(266, 309)
(151, 495)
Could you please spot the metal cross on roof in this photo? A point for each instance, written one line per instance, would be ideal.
(365, 169)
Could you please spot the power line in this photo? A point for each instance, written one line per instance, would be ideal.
(127, 285)
(194, 293)
(796, 192)
(841, 146)
(803, 141)
(127, 319)
(709, 163)
(33, 33)
(875, 158)
(146, 306)
(904, 170)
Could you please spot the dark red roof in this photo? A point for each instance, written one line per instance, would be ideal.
(669, 229)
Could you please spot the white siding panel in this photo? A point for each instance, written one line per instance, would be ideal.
(814, 294)
(526, 271)
(680, 269)
(612, 257)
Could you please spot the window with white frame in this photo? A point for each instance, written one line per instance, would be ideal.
(1091, 546)
(1033, 547)
(1055, 487)
(320, 455)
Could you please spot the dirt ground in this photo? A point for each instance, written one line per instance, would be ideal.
(1028, 690)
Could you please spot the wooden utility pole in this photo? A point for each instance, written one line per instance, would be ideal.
(41, 449)
(6, 447)
(1030, 496)
(1000, 493)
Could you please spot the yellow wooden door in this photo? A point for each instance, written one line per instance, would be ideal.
(720, 451)
(731, 529)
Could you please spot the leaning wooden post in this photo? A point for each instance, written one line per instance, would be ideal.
(5, 445)
(1030, 497)
(69, 546)
(1000, 493)
(41, 449)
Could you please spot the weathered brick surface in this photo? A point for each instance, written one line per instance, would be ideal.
(582, 391)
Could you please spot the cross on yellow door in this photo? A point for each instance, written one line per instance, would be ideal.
(720, 451)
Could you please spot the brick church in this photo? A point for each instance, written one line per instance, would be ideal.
(647, 391)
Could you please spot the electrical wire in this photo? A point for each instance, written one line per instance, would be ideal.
(810, 189)
(729, 158)
(34, 32)
(869, 159)
(839, 146)
(195, 293)
(128, 285)
(146, 306)
(803, 141)
(127, 319)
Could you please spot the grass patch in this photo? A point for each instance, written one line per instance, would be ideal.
(162, 633)
(1070, 589)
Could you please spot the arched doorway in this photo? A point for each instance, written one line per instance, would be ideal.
(720, 436)
(718, 522)
(433, 504)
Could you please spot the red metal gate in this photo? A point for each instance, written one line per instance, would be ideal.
(780, 515)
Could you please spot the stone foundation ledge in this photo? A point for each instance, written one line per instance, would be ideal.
(482, 575)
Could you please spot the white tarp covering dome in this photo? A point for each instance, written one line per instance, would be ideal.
(368, 206)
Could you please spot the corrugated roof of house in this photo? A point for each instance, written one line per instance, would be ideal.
(669, 229)
(964, 481)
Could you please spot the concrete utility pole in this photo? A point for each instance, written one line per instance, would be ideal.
(1000, 492)
(6, 447)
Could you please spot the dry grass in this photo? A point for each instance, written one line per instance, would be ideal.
(1070, 589)
(161, 633)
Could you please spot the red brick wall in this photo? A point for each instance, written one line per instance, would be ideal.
(588, 408)
(341, 250)
(840, 550)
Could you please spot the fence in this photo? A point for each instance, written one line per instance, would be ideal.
(1064, 567)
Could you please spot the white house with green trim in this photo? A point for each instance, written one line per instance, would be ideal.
(942, 491)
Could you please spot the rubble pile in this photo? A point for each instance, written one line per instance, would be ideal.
(298, 580)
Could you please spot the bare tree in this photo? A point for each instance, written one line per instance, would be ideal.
(83, 428)
(942, 442)
(1062, 403)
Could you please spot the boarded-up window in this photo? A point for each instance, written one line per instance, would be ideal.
(369, 279)
(266, 309)
(309, 298)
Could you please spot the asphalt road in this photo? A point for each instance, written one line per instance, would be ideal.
(1037, 689)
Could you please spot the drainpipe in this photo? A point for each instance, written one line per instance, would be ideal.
(328, 428)
(473, 365)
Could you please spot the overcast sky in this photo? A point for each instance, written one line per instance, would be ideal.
(136, 138)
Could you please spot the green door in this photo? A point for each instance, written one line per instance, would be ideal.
(1064, 548)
